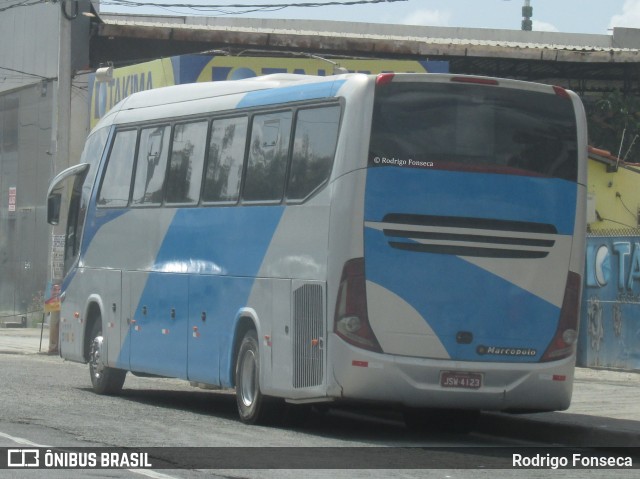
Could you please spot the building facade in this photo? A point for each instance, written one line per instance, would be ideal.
(49, 98)
(29, 154)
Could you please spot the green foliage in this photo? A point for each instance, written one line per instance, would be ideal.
(614, 124)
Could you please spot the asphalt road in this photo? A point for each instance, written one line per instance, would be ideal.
(46, 402)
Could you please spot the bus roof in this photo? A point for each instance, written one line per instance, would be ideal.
(180, 94)
(199, 91)
(175, 98)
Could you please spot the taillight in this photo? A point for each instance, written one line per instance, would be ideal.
(561, 92)
(351, 320)
(564, 342)
(384, 78)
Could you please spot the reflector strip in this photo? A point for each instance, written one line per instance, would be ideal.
(360, 364)
(479, 81)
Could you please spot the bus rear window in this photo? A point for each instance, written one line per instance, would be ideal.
(474, 127)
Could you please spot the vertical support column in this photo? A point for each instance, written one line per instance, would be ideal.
(63, 126)
(527, 13)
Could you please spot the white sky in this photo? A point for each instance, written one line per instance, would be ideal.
(573, 16)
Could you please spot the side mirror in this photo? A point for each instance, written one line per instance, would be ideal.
(53, 208)
(56, 187)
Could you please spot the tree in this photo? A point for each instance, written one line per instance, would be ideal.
(614, 124)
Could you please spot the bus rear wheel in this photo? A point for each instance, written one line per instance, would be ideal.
(249, 398)
(104, 379)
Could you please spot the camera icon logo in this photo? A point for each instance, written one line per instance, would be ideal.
(23, 458)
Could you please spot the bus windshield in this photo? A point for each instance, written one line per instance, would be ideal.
(475, 127)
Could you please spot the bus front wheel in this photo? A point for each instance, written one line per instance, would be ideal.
(249, 399)
(105, 380)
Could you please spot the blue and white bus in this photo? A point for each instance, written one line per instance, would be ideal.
(411, 240)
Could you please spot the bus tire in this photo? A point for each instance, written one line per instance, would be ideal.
(104, 379)
(249, 398)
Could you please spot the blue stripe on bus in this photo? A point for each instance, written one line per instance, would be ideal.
(230, 240)
(453, 295)
(308, 91)
(96, 219)
(228, 261)
(477, 195)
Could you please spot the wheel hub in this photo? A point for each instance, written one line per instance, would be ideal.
(95, 357)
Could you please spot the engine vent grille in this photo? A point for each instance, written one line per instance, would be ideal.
(308, 334)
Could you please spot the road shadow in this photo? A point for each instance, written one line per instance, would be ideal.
(347, 422)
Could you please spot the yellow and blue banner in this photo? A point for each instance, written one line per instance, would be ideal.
(205, 67)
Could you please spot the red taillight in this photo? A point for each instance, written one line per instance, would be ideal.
(384, 78)
(477, 80)
(351, 320)
(561, 92)
(564, 342)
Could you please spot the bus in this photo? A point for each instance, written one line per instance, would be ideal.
(414, 241)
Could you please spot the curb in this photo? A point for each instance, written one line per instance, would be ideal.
(597, 432)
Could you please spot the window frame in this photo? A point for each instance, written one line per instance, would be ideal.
(141, 127)
(253, 116)
(321, 185)
(212, 120)
(103, 171)
(250, 114)
(187, 121)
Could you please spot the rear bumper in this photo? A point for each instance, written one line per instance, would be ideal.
(362, 375)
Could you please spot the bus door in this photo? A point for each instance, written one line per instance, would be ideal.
(67, 206)
(158, 311)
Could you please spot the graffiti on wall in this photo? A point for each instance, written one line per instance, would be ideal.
(610, 322)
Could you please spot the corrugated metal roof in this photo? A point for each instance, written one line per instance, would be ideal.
(365, 43)
(198, 24)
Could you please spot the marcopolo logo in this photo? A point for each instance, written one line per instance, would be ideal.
(505, 351)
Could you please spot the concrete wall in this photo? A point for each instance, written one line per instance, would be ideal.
(29, 44)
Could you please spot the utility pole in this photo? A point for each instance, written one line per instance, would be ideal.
(527, 13)
(61, 158)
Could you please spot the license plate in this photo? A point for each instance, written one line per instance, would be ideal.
(462, 380)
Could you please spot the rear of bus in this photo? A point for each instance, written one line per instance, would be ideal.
(468, 289)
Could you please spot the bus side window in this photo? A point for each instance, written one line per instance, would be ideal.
(187, 158)
(226, 158)
(153, 152)
(268, 154)
(314, 146)
(117, 177)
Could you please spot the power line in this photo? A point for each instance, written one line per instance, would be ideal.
(24, 3)
(219, 7)
(226, 9)
(26, 73)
